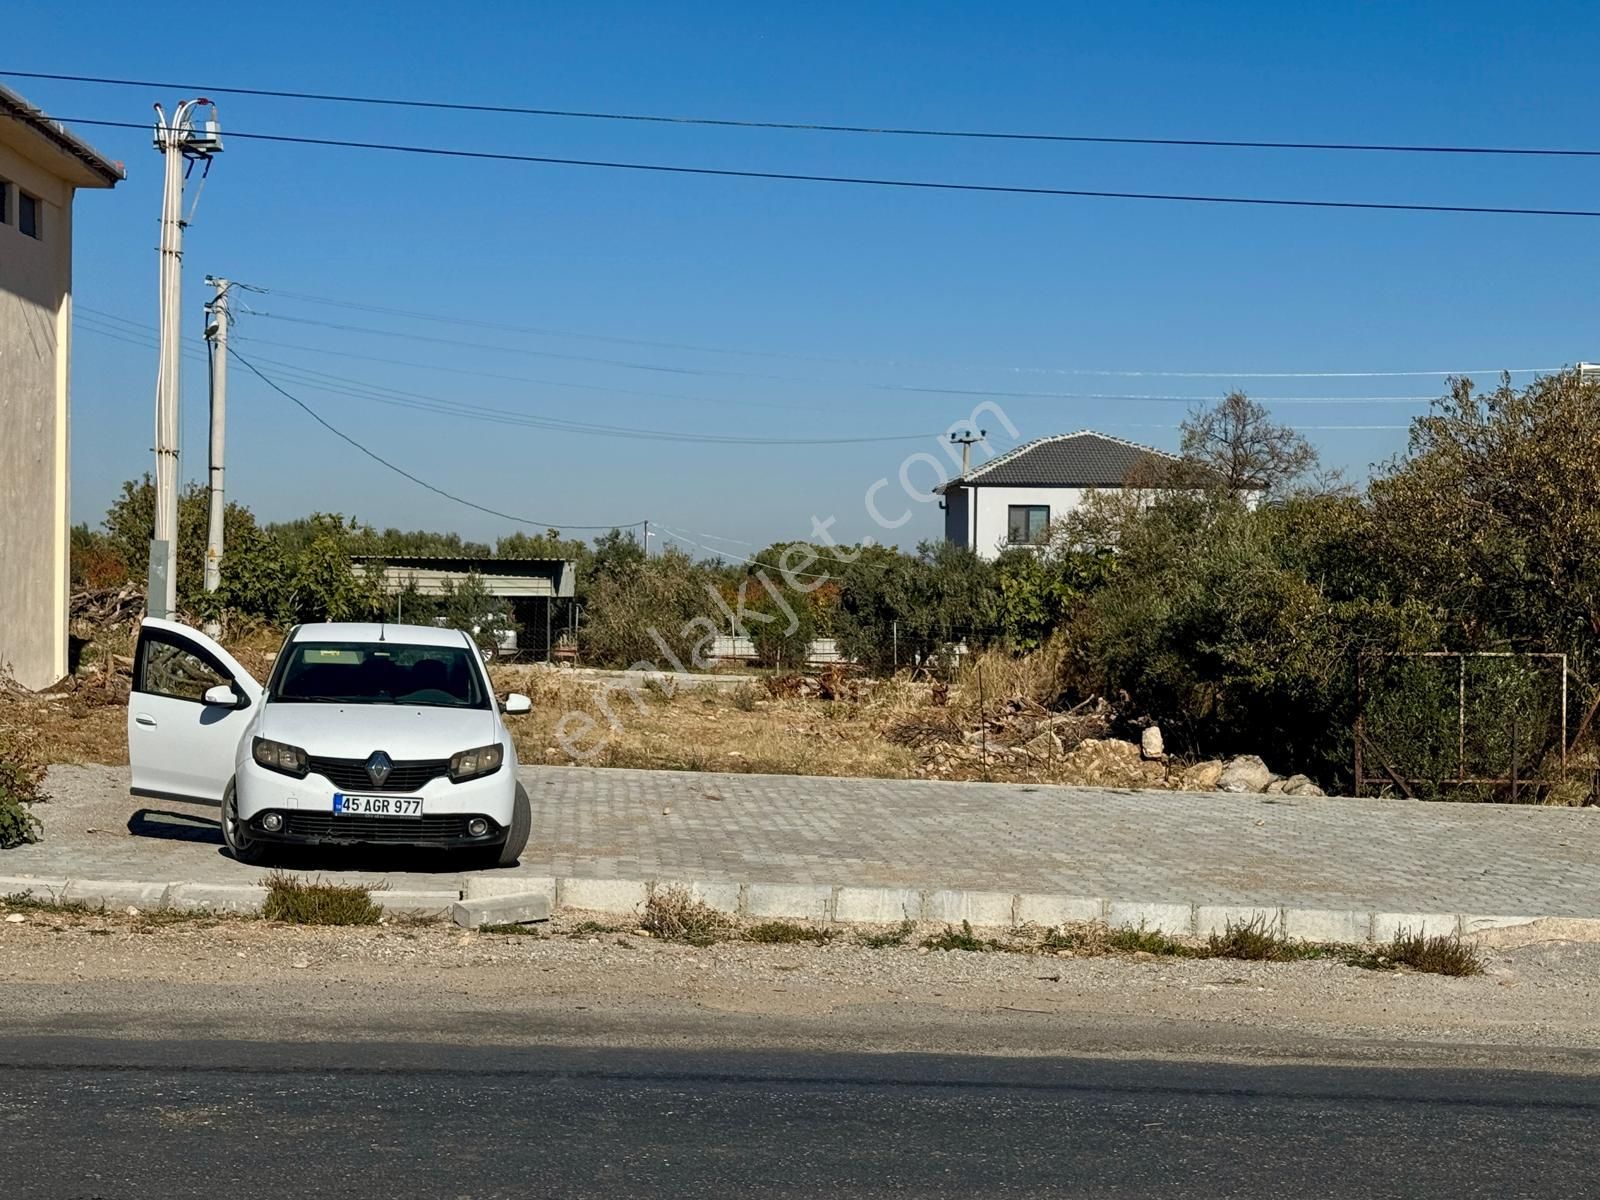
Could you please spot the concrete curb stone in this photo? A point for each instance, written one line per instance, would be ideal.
(538, 896)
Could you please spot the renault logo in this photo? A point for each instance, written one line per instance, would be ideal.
(378, 768)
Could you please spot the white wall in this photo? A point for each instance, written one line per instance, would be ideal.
(35, 322)
(993, 518)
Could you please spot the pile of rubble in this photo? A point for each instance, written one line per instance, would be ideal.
(1024, 740)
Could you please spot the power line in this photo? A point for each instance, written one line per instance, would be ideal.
(477, 323)
(377, 458)
(1034, 395)
(869, 181)
(821, 127)
(423, 402)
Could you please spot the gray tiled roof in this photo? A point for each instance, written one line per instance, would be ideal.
(1082, 459)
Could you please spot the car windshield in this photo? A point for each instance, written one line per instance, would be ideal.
(378, 673)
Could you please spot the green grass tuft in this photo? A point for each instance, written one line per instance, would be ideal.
(1146, 941)
(513, 930)
(296, 902)
(963, 939)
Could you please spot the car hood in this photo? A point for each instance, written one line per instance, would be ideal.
(358, 730)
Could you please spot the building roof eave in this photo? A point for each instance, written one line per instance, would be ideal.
(82, 165)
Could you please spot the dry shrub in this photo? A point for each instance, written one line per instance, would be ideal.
(1038, 677)
(674, 915)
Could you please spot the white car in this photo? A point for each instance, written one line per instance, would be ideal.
(364, 734)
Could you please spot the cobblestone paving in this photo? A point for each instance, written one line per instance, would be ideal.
(1148, 846)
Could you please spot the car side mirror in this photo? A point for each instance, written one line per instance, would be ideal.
(516, 704)
(222, 696)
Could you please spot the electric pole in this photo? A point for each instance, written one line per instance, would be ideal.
(217, 338)
(183, 145)
(965, 441)
(647, 539)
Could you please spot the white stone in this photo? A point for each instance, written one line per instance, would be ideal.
(1247, 773)
(501, 910)
(1151, 744)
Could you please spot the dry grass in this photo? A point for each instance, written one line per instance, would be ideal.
(675, 915)
(594, 722)
(789, 933)
(297, 902)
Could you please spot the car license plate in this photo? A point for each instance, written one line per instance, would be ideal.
(376, 806)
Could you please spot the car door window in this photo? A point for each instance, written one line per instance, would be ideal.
(170, 670)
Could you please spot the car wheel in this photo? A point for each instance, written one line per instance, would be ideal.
(517, 836)
(245, 849)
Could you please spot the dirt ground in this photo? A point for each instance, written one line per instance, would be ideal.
(895, 729)
(574, 981)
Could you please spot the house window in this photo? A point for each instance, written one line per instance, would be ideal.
(5, 202)
(28, 214)
(1026, 523)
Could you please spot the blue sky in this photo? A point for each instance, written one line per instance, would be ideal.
(821, 306)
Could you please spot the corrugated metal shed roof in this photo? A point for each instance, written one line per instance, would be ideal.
(1082, 459)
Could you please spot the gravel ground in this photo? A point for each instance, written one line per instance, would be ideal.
(126, 976)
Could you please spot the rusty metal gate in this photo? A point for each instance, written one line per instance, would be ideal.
(1493, 723)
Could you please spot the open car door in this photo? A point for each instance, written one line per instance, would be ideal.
(180, 746)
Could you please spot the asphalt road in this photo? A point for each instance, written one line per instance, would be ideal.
(121, 1120)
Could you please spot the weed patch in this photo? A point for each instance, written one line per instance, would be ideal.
(296, 902)
(962, 939)
(673, 915)
(1442, 954)
(898, 936)
(25, 902)
(1255, 941)
(513, 930)
(1147, 941)
(788, 933)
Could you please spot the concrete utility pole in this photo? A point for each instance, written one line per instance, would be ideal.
(965, 441)
(183, 144)
(217, 337)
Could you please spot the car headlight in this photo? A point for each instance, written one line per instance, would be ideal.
(470, 764)
(279, 756)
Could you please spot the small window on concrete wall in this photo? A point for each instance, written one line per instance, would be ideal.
(30, 215)
(5, 202)
(1026, 523)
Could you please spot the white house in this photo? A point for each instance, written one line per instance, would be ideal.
(1011, 500)
(42, 165)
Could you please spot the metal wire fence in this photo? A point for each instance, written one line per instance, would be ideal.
(1488, 725)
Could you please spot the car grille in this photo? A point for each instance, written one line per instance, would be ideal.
(350, 774)
(444, 827)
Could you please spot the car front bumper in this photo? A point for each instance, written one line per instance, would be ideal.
(305, 807)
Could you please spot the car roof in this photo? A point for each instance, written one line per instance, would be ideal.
(372, 631)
